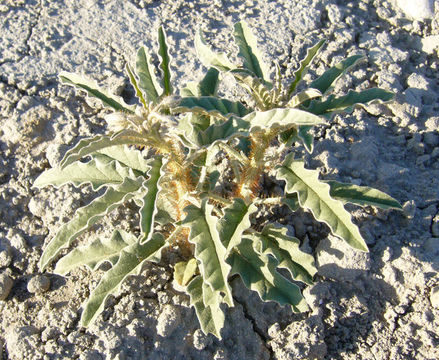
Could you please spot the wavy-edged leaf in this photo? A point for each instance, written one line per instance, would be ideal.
(281, 119)
(224, 131)
(211, 317)
(209, 250)
(348, 101)
(127, 156)
(87, 216)
(303, 97)
(92, 89)
(306, 137)
(147, 79)
(211, 106)
(362, 195)
(209, 57)
(258, 272)
(130, 262)
(184, 271)
(95, 253)
(235, 221)
(135, 84)
(90, 145)
(275, 241)
(304, 66)
(260, 93)
(314, 195)
(149, 209)
(325, 81)
(164, 64)
(249, 52)
(97, 172)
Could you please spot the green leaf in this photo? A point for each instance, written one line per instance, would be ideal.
(362, 195)
(209, 250)
(164, 64)
(275, 241)
(224, 131)
(211, 106)
(249, 51)
(306, 137)
(130, 262)
(281, 119)
(314, 195)
(184, 271)
(94, 254)
(325, 81)
(127, 156)
(258, 272)
(348, 101)
(303, 97)
(292, 201)
(147, 79)
(149, 209)
(208, 86)
(304, 66)
(97, 172)
(235, 221)
(92, 89)
(211, 317)
(90, 145)
(260, 93)
(87, 216)
(210, 58)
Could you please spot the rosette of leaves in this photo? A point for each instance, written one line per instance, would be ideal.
(160, 155)
(254, 76)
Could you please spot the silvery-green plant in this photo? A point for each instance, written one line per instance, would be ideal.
(161, 154)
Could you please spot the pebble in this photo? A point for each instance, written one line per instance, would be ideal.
(434, 297)
(38, 284)
(5, 254)
(417, 9)
(201, 341)
(168, 320)
(5, 286)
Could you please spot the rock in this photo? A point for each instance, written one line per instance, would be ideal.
(38, 284)
(417, 10)
(430, 44)
(431, 246)
(434, 297)
(168, 320)
(5, 253)
(5, 286)
(201, 341)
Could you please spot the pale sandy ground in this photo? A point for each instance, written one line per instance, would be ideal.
(381, 305)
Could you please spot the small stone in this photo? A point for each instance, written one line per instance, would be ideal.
(409, 209)
(417, 10)
(422, 159)
(168, 320)
(435, 226)
(5, 286)
(430, 44)
(38, 284)
(432, 124)
(434, 297)
(431, 246)
(431, 139)
(201, 341)
(5, 254)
